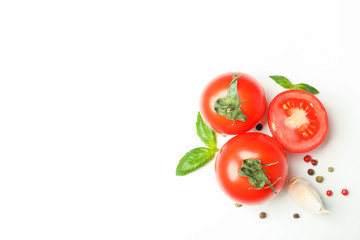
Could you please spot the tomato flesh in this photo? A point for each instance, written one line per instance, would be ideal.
(250, 146)
(301, 116)
(298, 121)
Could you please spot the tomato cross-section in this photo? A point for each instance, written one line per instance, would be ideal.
(298, 121)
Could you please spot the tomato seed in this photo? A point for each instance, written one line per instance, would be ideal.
(238, 205)
(262, 215)
(259, 127)
(311, 172)
(344, 192)
(329, 193)
(314, 162)
(307, 158)
(296, 215)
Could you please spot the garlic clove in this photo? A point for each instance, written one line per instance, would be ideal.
(305, 195)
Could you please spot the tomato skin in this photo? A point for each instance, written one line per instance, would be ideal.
(246, 146)
(249, 90)
(287, 138)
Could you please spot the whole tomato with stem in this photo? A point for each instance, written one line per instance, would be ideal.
(251, 168)
(233, 103)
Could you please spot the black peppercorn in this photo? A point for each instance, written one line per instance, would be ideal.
(262, 215)
(296, 215)
(311, 172)
(259, 127)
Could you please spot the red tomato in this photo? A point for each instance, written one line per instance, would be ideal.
(249, 91)
(298, 121)
(250, 146)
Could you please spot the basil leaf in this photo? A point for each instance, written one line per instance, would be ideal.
(205, 133)
(193, 160)
(282, 81)
(198, 157)
(285, 83)
(305, 87)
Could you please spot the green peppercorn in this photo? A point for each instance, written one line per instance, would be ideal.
(319, 179)
(238, 205)
(330, 169)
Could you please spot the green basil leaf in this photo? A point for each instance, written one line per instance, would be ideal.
(205, 133)
(193, 160)
(282, 81)
(305, 87)
(285, 83)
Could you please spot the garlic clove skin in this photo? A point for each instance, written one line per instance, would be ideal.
(305, 195)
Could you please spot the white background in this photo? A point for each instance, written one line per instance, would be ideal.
(98, 102)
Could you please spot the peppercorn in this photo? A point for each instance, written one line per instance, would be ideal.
(296, 215)
(238, 205)
(307, 158)
(259, 127)
(311, 172)
(314, 162)
(262, 215)
(330, 169)
(319, 179)
(344, 192)
(329, 193)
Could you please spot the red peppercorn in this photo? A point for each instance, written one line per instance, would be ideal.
(329, 193)
(344, 192)
(307, 158)
(314, 162)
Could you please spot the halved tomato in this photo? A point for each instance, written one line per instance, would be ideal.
(298, 120)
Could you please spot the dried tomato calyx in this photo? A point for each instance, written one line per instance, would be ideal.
(253, 169)
(230, 106)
